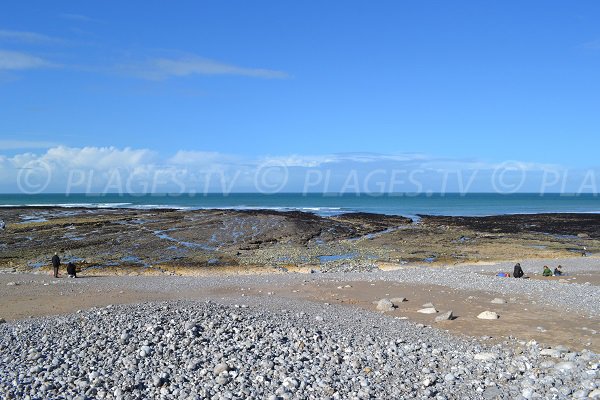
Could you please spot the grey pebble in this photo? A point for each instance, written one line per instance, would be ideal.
(199, 349)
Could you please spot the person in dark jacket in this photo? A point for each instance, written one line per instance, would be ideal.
(558, 271)
(71, 270)
(55, 264)
(518, 271)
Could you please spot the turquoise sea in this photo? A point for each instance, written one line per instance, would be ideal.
(474, 204)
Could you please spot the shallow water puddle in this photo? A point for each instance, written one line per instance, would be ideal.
(192, 245)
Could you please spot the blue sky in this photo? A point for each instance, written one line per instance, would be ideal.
(448, 80)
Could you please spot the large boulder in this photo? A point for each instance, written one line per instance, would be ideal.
(447, 316)
(385, 305)
(488, 315)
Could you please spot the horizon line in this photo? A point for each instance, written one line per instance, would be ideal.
(370, 194)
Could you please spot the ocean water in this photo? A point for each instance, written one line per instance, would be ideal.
(474, 204)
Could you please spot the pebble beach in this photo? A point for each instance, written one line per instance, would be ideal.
(273, 337)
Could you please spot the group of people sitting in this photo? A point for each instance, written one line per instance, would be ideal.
(518, 271)
(548, 272)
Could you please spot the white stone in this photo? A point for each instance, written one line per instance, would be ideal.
(449, 377)
(385, 305)
(498, 300)
(397, 300)
(561, 348)
(145, 351)
(488, 315)
(565, 366)
(550, 353)
(429, 310)
(527, 393)
(290, 383)
(447, 316)
(221, 367)
(485, 356)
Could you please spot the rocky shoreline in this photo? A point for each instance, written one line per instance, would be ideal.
(126, 241)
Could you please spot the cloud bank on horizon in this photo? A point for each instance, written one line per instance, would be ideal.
(134, 171)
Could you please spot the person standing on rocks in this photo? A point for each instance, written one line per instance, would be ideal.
(518, 271)
(55, 264)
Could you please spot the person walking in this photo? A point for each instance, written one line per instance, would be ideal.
(55, 264)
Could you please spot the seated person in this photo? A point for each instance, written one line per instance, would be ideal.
(518, 271)
(558, 271)
(547, 271)
(71, 270)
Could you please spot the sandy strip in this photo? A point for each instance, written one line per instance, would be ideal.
(525, 315)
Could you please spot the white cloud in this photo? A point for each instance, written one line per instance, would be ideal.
(101, 169)
(311, 161)
(202, 158)
(457, 164)
(27, 37)
(101, 158)
(162, 68)
(25, 144)
(376, 157)
(14, 60)
(298, 161)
